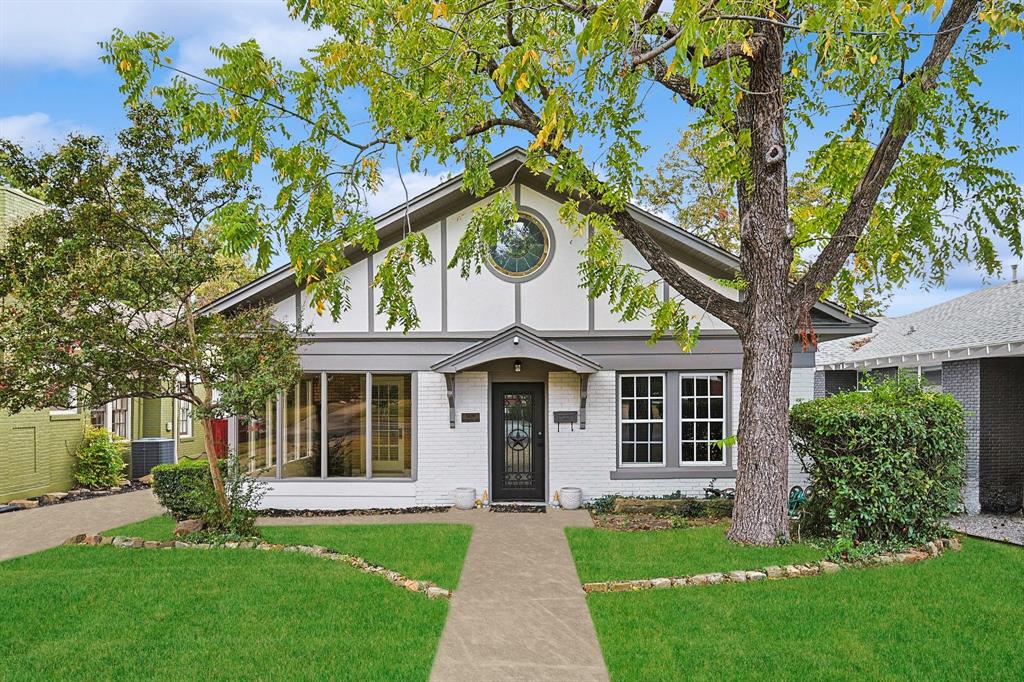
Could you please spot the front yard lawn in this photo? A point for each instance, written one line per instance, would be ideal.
(424, 551)
(955, 617)
(602, 555)
(108, 613)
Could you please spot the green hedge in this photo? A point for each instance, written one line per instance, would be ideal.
(886, 464)
(183, 488)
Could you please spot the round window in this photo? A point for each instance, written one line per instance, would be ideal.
(522, 248)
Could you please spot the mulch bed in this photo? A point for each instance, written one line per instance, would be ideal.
(641, 522)
(314, 513)
(79, 494)
(519, 508)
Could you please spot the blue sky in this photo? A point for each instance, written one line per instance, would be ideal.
(52, 83)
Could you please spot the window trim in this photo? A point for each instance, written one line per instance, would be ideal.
(178, 422)
(724, 462)
(619, 422)
(108, 417)
(278, 409)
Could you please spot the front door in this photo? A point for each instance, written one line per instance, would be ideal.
(517, 442)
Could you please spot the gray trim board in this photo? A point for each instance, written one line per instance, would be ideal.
(590, 300)
(516, 342)
(370, 308)
(323, 424)
(519, 303)
(641, 473)
(369, 425)
(444, 274)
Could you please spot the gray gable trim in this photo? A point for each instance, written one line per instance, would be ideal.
(448, 197)
(517, 341)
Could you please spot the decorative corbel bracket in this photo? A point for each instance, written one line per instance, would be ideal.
(449, 380)
(583, 400)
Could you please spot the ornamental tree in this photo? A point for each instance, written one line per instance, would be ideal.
(102, 290)
(907, 154)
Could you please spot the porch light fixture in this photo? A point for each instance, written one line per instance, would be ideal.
(518, 365)
(515, 340)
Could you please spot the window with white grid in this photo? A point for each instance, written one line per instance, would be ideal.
(702, 418)
(642, 419)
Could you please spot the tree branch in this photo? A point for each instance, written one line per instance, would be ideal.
(844, 240)
(729, 311)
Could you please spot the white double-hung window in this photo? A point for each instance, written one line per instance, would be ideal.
(701, 418)
(642, 419)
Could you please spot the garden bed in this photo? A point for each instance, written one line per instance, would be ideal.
(317, 513)
(77, 495)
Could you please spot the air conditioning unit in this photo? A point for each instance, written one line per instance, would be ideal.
(148, 452)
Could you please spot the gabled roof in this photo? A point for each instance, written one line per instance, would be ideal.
(517, 341)
(991, 317)
(508, 167)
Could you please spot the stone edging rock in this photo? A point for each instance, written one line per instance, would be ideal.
(425, 587)
(927, 551)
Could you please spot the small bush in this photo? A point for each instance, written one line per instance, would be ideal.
(186, 490)
(244, 494)
(99, 460)
(886, 465)
(183, 488)
(674, 504)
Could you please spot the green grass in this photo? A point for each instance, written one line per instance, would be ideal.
(958, 617)
(618, 555)
(108, 613)
(431, 552)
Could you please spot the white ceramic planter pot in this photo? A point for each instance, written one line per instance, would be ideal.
(465, 498)
(571, 498)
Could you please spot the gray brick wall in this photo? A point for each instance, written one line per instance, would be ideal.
(962, 380)
(827, 382)
(1001, 439)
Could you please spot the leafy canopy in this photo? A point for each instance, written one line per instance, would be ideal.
(577, 81)
(101, 290)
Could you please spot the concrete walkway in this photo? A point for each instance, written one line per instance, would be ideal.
(1001, 527)
(33, 530)
(518, 611)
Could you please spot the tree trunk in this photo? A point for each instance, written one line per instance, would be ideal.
(760, 516)
(211, 459)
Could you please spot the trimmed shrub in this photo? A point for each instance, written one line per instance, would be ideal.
(886, 465)
(186, 490)
(99, 460)
(183, 488)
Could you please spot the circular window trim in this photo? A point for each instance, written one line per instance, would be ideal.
(542, 222)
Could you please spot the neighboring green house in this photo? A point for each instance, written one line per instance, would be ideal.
(37, 447)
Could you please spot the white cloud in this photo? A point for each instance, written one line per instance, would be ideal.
(65, 33)
(36, 129)
(393, 194)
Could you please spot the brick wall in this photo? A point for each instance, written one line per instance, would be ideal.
(827, 382)
(449, 458)
(962, 380)
(1001, 438)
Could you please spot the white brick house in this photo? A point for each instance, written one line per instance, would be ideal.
(515, 384)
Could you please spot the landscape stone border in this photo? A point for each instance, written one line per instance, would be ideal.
(424, 587)
(909, 556)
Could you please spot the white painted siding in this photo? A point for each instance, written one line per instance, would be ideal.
(339, 494)
(482, 302)
(554, 299)
(426, 291)
(356, 318)
(450, 458)
(801, 388)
